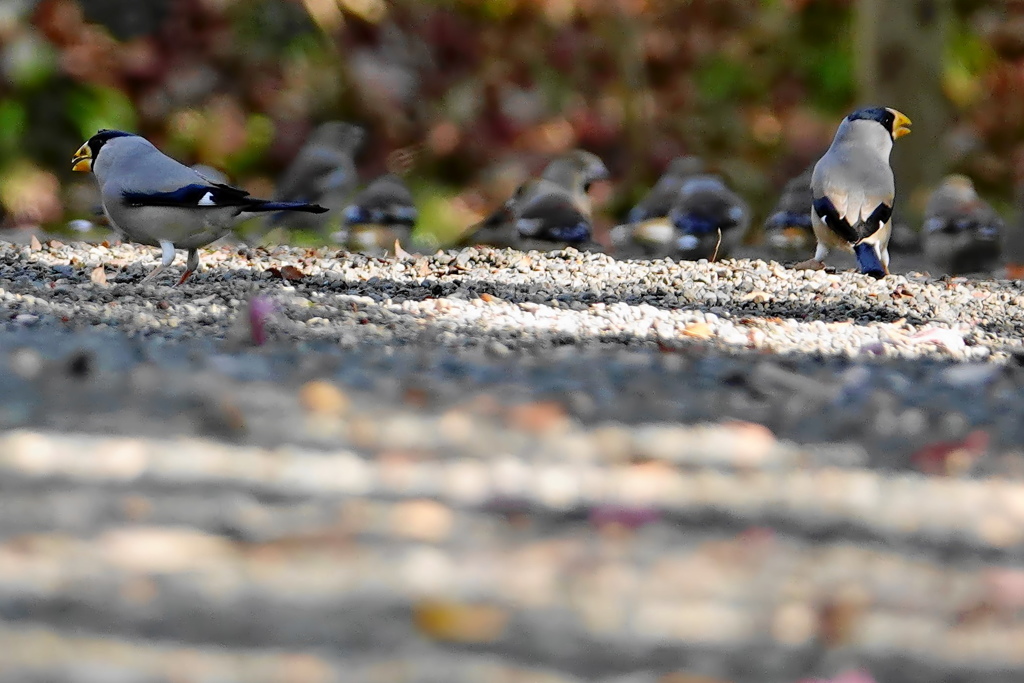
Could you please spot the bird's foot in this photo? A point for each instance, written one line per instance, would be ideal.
(152, 274)
(809, 264)
(184, 276)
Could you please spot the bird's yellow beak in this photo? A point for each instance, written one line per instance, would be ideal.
(82, 161)
(901, 124)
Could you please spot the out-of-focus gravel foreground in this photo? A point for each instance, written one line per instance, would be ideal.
(311, 466)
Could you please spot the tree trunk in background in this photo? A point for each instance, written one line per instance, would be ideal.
(899, 47)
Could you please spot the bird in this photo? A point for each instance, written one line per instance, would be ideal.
(154, 200)
(658, 202)
(553, 210)
(383, 212)
(323, 172)
(710, 220)
(961, 231)
(788, 231)
(853, 189)
(647, 231)
(211, 173)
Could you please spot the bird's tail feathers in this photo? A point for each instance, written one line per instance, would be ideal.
(266, 205)
(868, 261)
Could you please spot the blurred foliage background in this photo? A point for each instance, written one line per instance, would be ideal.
(480, 91)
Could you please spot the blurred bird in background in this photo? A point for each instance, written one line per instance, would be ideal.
(548, 212)
(787, 231)
(647, 232)
(710, 220)
(324, 173)
(962, 233)
(381, 214)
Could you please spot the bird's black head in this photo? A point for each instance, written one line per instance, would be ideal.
(86, 154)
(895, 123)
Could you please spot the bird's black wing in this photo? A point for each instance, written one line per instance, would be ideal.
(192, 196)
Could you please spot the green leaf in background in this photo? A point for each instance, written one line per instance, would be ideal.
(12, 129)
(721, 79)
(830, 71)
(968, 56)
(259, 133)
(95, 107)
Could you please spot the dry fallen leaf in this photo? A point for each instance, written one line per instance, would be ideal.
(698, 331)
(98, 275)
(538, 417)
(1015, 271)
(291, 273)
(401, 253)
(900, 292)
(34, 244)
(324, 398)
(489, 298)
(460, 622)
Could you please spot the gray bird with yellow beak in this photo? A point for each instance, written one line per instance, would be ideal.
(545, 213)
(154, 200)
(853, 190)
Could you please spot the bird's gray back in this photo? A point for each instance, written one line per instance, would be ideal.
(140, 167)
(848, 165)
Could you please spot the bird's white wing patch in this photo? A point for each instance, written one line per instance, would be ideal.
(207, 200)
(529, 226)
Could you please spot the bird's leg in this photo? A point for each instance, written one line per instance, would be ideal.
(167, 252)
(815, 263)
(714, 257)
(190, 265)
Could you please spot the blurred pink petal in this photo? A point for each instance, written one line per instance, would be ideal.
(261, 308)
(855, 676)
(951, 340)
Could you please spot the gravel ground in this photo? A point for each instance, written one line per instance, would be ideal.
(490, 465)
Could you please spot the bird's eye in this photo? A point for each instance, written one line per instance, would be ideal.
(586, 186)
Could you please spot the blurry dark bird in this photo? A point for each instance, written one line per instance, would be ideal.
(647, 232)
(323, 172)
(787, 231)
(710, 220)
(658, 202)
(381, 213)
(854, 190)
(961, 232)
(548, 212)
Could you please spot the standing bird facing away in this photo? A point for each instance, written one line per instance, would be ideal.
(710, 219)
(647, 231)
(853, 189)
(788, 231)
(961, 231)
(378, 216)
(547, 212)
(323, 172)
(154, 200)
